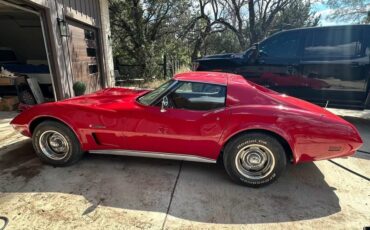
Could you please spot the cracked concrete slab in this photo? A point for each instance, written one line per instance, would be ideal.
(314, 195)
(8, 135)
(114, 192)
(99, 191)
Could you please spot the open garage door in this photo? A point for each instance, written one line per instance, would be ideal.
(25, 67)
(85, 55)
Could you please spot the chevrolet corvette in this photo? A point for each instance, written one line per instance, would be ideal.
(197, 116)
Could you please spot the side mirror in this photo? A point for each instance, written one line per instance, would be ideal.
(164, 104)
(262, 53)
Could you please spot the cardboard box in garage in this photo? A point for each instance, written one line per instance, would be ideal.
(7, 80)
(8, 103)
(12, 80)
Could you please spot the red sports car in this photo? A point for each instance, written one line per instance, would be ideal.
(200, 116)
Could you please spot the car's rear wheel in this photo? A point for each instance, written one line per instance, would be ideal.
(56, 144)
(254, 159)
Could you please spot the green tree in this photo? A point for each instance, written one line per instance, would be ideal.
(144, 30)
(250, 21)
(367, 19)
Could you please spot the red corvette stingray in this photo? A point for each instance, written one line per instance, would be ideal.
(199, 116)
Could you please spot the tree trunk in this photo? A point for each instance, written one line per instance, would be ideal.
(252, 22)
(199, 42)
(242, 42)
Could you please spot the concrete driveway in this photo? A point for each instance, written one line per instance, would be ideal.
(111, 192)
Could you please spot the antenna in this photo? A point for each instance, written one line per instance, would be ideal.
(326, 105)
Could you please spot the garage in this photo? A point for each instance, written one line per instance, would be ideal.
(48, 47)
(24, 58)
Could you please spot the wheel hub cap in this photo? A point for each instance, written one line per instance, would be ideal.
(255, 161)
(53, 145)
(58, 143)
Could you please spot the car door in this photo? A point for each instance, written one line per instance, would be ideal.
(192, 125)
(366, 42)
(278, 64)
(336, 58)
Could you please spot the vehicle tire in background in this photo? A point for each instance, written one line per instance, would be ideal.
(25, 94)
(56, 144)
(27, 98)
(254, 159)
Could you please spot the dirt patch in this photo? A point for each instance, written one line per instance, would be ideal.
(16, 155)
(20, 160)
(28, 171)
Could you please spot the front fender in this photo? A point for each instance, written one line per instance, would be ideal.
(25, 121)
(77, 118)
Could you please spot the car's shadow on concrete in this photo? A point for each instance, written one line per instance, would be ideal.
(203, 193)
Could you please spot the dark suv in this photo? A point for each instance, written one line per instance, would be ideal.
(324, 65)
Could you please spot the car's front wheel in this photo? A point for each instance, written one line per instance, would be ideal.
(56, 144)
(254, 159)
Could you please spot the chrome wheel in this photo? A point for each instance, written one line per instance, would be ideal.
(54, 145)
(255, 161)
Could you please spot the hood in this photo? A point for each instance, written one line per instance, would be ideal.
(106, 98)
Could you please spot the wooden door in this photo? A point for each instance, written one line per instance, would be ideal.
(85, 57)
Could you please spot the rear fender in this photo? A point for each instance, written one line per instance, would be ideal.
(260, 127)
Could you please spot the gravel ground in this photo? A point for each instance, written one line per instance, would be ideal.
(111, 192)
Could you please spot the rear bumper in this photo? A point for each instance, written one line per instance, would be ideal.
(334, 140)
(310, 158)
(330, 149)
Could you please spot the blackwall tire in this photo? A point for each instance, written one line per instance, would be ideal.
(56, 144)
(254, 159)
(26, 97)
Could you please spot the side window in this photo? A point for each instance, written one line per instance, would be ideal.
(89, 35)
(334, 43)
(366, 39)
(198, 96)
(282, 45)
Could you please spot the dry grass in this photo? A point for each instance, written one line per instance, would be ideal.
(155, 82)
(183, 69)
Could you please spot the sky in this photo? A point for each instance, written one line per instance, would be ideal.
(320, 9)
(324, 11)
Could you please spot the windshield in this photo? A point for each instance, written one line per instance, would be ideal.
(150, 97)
